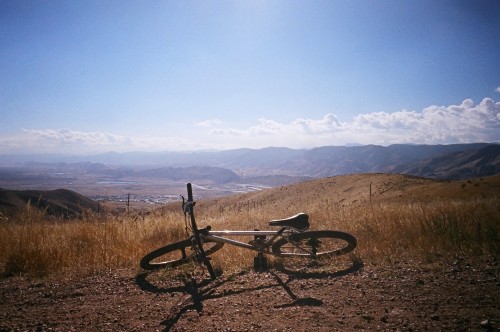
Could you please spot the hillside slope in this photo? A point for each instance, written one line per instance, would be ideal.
(459, 164)
(59, 202)
(351, 189)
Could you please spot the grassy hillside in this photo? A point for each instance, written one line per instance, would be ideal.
(59, 202)
(394, 217)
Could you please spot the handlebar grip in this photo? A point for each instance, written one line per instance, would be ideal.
(190, 192)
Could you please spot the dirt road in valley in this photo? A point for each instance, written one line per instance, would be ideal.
(459, 296)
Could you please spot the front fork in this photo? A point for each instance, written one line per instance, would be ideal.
(200, 254)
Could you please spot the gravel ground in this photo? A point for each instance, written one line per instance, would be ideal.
(462, 295)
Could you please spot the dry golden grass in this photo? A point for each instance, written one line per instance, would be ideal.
(404, 218)
(41, 246)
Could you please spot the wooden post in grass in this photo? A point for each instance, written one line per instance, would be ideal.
(128, 203)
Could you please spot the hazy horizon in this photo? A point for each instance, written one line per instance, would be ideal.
(85, 154)
(92, 77)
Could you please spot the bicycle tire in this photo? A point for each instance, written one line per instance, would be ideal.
(166, 257)
(307, 247)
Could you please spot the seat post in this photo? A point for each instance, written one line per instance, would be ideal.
(260, 261)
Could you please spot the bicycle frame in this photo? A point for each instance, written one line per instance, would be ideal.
(219, 236)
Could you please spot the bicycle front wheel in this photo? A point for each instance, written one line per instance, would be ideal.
(175, 254)
(315, 244)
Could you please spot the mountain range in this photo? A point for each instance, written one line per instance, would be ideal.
(270, 166)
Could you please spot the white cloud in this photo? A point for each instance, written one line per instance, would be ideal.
(227, 131)
(71, 137)
(79, 142)
(209, 123)
(498, 89)
(464, 123)
(267, 127)
(329, 123)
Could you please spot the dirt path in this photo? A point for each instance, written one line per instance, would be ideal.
(460, 296)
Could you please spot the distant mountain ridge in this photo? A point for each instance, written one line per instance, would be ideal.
(458, 165)
(280, 165)
(270, 167)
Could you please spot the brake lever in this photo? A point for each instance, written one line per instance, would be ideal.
(183, 208)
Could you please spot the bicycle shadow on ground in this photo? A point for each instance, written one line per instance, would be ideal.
(198, 291)
(356, 266)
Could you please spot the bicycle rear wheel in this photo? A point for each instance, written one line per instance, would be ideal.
(175, 254)
(312, 248)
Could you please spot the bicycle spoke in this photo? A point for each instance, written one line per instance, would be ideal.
(312, 249)
(175, 254)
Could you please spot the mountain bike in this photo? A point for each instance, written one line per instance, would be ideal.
(291, 241)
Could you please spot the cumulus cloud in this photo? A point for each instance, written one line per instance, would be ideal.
(71, 137)
(209, 123)
(329, 123)
(462, 123)
(498, 89)
(267, 127)
(79, 142)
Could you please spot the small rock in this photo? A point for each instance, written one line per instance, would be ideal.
(486, 324)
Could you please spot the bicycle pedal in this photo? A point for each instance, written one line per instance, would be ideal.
(314, 263)
(200, 259)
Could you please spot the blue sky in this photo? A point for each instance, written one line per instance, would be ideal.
(94, 76)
